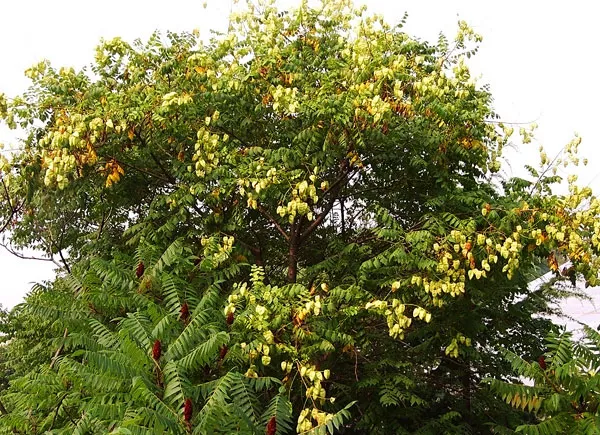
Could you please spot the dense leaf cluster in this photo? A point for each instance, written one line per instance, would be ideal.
(294, 226)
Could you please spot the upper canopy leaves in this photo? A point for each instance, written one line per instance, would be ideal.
(348, 162)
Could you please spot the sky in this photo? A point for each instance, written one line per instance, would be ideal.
(539, 58)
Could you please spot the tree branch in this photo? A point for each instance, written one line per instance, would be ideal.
(334, 189)
(103, 222)
(266, 214)
(171, 179)
(25, 257)
(59, 350)
(64, 261)
(13, 210)
(143, 171)
(233, 135)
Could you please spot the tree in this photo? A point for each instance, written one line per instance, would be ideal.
(564, 394)
(294, 225)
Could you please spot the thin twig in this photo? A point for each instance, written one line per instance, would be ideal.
(25, 257)
(13, 209)
(60, 349)
(170, 177)
(143, 171)
(266, 214)
(64, 261)
(356, 365)
(335, 188)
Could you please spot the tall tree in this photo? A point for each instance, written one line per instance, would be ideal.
(301, 210)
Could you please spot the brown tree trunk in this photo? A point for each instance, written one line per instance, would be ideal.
(292, 261)
(294, 244)
(466, 381)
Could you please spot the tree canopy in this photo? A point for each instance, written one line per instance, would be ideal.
(298, 225)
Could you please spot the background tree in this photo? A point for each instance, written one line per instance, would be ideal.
(563, 387)
(293, 225)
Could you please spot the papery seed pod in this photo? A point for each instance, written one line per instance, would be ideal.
(139, 270)
(184, 312)
(542, 362)
(188, 409)
(272, 426)
(156, 350)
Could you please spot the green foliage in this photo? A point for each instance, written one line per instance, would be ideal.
(563, 391)
(295, 226)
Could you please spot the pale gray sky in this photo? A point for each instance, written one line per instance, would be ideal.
(538, 56)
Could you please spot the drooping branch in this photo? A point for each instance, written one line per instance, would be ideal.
(254, 250)
(297, 236)
(7, 223)
(26, 257)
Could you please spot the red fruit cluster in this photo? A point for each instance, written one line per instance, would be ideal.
(223, 352)
(272, 426)
(156, 350)
(184, 312)
(188, 409)
(542, 362)
(139, 270)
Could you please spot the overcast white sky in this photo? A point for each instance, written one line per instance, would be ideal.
(539, 57)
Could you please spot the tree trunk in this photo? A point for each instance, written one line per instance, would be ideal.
(466, 381)
(292, 261)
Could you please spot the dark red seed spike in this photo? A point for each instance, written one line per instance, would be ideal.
(542, 362)
(184, 312)
(188, 410)
(223, 352)
(156, 350)
(272, 426)
(139, 271)
(229, 318)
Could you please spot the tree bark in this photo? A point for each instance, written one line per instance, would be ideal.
(466, 381)
(292, 262)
